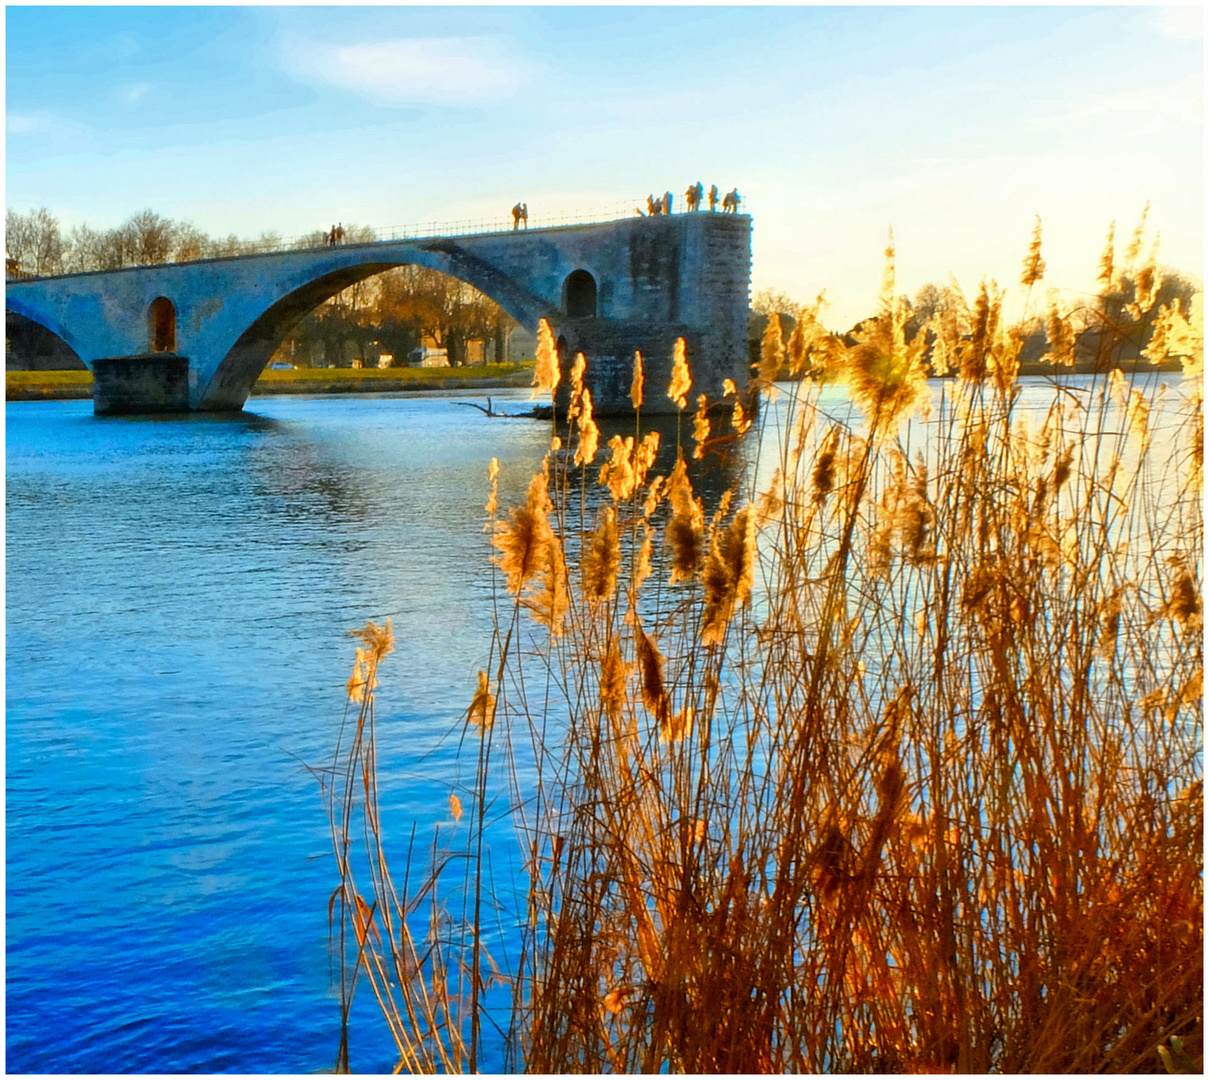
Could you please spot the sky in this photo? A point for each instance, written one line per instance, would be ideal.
(953, 126)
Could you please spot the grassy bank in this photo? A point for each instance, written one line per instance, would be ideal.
(378, 381)
(47, 385)
(74, 385)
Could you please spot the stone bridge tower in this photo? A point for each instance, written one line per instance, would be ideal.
(686, 275)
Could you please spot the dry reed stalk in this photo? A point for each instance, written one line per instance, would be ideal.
(897, 766)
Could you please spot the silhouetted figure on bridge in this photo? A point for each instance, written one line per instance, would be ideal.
(330, 237)
(339, 233)
(654, 206)
(692, 197)
(713, 197)
(516, 217)
(730, 204)
(667, 202)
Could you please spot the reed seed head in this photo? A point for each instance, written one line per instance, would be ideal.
(589, 433)
(728, 575)
(525, 538)
(681, 379)
(378, 640)
(636, 382)
(602, 560)
(684, 532)
(1034, 265)
(772, 351)
(700, 427)
(493, 475)
(545, 373)
(481, 713)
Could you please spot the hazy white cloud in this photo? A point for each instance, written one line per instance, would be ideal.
(25, 123)
(1180, 23)
(407, 71)
(132, 93)
(1181, 99)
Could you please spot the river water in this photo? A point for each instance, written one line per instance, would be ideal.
(178, 596)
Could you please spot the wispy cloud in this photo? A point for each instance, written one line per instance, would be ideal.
(1180, 23)
(408, 71)
(132, 93)
(1181, 100)
(26, 123)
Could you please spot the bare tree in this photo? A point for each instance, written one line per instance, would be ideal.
(34, 241)
(767, 301)
(149, 239)
(84, 249)
(190, 243)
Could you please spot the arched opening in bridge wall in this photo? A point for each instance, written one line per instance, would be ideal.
(284, 325)
(161, 325)
(30, 346)
(579, 295)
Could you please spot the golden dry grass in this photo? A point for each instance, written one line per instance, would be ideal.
(892, 764)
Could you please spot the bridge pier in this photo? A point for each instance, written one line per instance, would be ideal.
(609, 350)
(147, 383)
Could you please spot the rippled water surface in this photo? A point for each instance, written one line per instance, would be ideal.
(178, 594)
(178, 597)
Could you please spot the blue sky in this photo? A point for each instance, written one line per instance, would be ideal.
(952, 125)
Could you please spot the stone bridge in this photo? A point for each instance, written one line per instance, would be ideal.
(195, 336)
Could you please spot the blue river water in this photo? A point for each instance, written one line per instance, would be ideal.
(178, 596)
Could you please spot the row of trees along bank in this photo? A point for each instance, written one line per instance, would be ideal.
(1123, 313)
(381, 320)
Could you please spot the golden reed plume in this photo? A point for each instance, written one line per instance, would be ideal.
(681, 379)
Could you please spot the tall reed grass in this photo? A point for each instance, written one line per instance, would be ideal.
(890, 760)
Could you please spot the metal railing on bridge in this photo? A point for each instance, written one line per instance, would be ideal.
(314, 241)
(476, 226)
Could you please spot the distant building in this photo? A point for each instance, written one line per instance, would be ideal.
(425, 356)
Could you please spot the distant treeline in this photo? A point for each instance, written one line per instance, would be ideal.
(391, 314)
(1125, 312)
(34, 243)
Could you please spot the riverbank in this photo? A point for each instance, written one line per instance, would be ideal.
(77, 385)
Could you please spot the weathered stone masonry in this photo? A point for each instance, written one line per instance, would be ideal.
(606, 290)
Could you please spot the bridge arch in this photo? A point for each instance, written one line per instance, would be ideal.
(243, 362)
(29, 342)
(13, 306)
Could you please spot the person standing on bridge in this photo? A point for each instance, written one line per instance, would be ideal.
(339, 233)
(713, 197)
(731, 202)
(516, 217)
(331, 237)
(525, 214)
(667, 202)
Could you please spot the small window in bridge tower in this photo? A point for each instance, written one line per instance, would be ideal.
(579, 295)
(162, 320)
